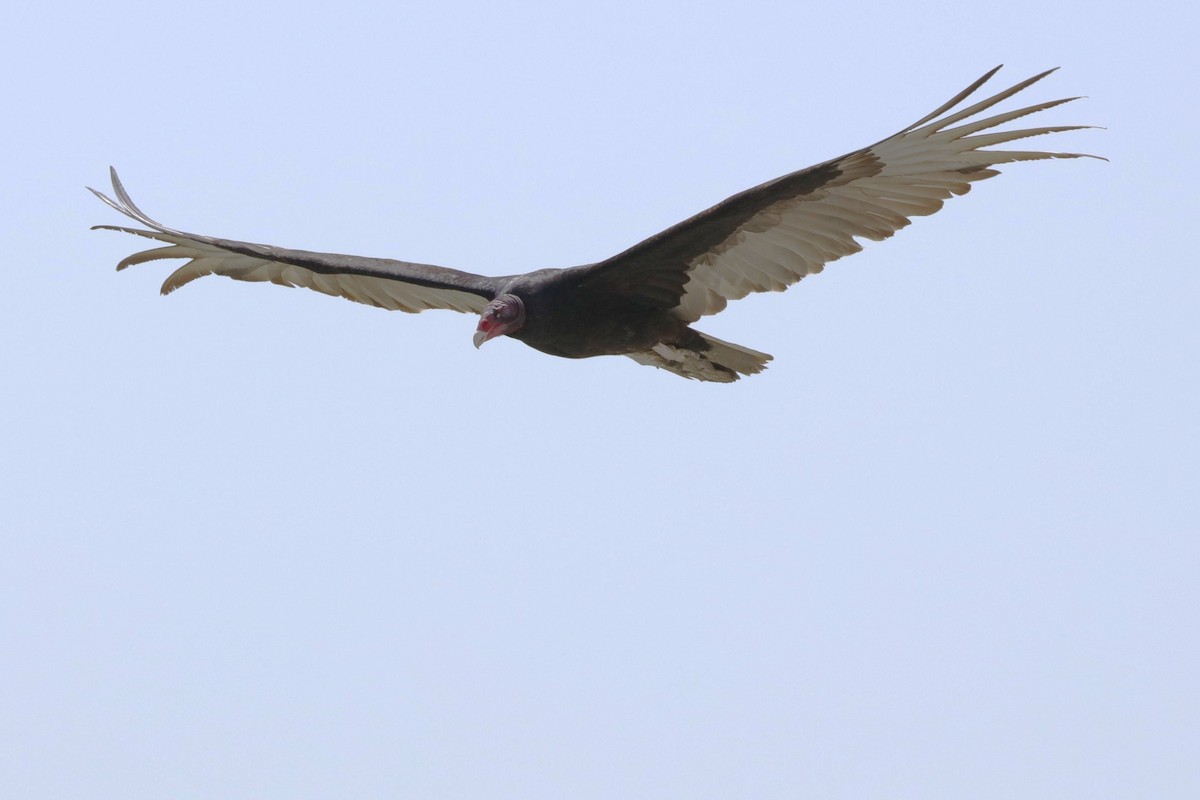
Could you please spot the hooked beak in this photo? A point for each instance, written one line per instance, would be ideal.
(486, 330)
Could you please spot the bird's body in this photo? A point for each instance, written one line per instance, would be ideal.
(617, 328)
(641, 302)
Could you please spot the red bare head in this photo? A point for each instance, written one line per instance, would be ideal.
(502, 316)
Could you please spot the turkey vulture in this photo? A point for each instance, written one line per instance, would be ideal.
(640, 303)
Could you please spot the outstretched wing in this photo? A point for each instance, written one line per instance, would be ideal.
(382, 282)
(769, 237)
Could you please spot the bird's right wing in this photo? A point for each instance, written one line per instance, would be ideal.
(382, 282)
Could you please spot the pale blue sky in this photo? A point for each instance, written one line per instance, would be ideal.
(260, 542)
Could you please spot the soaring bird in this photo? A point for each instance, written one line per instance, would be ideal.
(641, 302)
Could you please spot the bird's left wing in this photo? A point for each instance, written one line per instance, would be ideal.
(382, 282)
(768, 237)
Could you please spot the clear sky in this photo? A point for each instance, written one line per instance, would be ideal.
(258, 542)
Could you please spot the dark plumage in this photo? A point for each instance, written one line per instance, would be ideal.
(640, 303)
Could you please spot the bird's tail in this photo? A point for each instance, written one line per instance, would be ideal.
(711, 360)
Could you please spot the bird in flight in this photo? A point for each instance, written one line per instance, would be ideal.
(641, 302)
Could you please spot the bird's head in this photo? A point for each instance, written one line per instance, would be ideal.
(504, 315)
